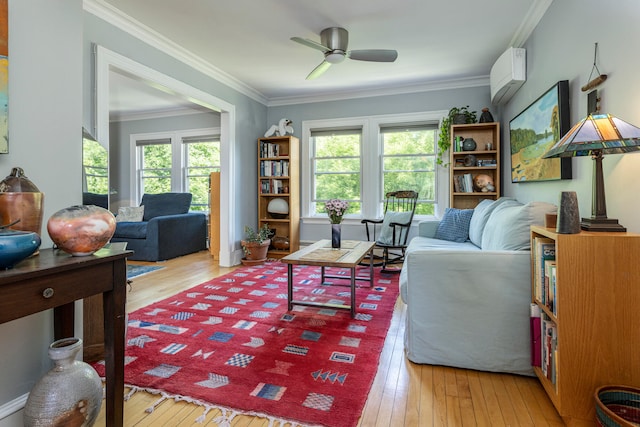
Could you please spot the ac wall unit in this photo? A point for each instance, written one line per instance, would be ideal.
(507, 75)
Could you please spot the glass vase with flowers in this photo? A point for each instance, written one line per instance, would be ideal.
(335, 210)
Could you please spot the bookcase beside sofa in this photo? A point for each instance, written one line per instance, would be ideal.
(592, 317)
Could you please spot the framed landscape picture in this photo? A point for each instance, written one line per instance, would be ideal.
(534, 131)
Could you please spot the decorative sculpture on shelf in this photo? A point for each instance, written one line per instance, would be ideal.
(281, 129)
(486, 116)
(484, 183)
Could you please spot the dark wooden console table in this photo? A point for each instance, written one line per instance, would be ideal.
(54, 279)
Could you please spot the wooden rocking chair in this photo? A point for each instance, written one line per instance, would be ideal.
(391, 232)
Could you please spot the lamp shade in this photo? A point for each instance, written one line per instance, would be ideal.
(597, 132)
(278, 208)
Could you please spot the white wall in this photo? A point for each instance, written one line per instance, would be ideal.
(45, 139)
(561, 48)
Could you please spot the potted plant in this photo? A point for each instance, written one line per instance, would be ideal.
(457, 115)
(256, 244)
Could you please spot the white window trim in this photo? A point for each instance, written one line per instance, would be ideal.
(177, 154)
(371, 162)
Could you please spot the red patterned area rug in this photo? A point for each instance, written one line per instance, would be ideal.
(231, 344)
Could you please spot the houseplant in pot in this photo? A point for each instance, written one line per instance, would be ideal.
(256, 244)
(456, 116)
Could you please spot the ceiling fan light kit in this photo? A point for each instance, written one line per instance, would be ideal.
(334, 42)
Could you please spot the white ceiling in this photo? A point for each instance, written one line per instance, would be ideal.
(439, 44)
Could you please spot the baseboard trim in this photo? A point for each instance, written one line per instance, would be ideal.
(13, 406)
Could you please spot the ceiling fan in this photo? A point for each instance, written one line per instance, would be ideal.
(333, 43)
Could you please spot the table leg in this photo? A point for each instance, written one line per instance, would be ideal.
(289, 286)
(353, 292)
(114, 341)
(63, 319)
(371, 268)
(322, 274)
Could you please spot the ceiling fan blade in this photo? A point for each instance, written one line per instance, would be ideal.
(375, 55)
(311, 44)
(319, 70)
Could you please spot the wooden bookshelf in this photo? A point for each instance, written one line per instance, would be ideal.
(487, 156)
(597, 323)
(279, 177)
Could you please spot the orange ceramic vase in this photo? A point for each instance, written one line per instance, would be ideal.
(81, 230)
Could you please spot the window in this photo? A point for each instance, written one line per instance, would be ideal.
(408, 162)
(202, 156)
(336, 164)
(361, 159)
(154, 169)
(177, 162)
(95, 167)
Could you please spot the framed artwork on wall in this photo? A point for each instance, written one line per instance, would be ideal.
(534, 131)
(4, 77)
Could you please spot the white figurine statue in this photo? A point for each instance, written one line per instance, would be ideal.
(281, 129)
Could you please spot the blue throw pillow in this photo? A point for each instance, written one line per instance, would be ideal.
(454, 225)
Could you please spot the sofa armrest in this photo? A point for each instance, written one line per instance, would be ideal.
(428, 228)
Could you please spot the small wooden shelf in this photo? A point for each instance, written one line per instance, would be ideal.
(483, 134)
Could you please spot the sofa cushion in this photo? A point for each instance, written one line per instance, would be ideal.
(130, 214)
(508, 227)
(386, 231)
(481, 214)
(131, 230)
(165, 204)
(454, 225)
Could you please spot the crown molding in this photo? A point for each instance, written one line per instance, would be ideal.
(395, 90)
(115, 17)
(530, 21)
(124, 22)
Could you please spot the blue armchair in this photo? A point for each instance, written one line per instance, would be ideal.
(167, 229)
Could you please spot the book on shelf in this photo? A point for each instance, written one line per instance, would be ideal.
(274, 168)
(543, 249)
(468, 183)
(534, 324)
(549, 284)
(268, 149)
(553, 291)
(272, 186)
(549, 351)
(456, 184)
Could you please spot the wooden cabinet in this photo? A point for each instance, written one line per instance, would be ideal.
(467, 164)
(596, 322)
(278, 178)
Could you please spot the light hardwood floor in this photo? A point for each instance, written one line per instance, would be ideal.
(403, 393)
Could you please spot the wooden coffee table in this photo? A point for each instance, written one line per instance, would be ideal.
(350, 254)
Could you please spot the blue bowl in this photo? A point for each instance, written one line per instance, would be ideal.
(16, 245)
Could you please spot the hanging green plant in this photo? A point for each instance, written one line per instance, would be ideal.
(457, 115)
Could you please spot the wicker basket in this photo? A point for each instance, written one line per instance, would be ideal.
(617, 406)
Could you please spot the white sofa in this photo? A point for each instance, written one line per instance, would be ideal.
(468, 301)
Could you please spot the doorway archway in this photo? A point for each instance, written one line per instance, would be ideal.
(107, 61)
